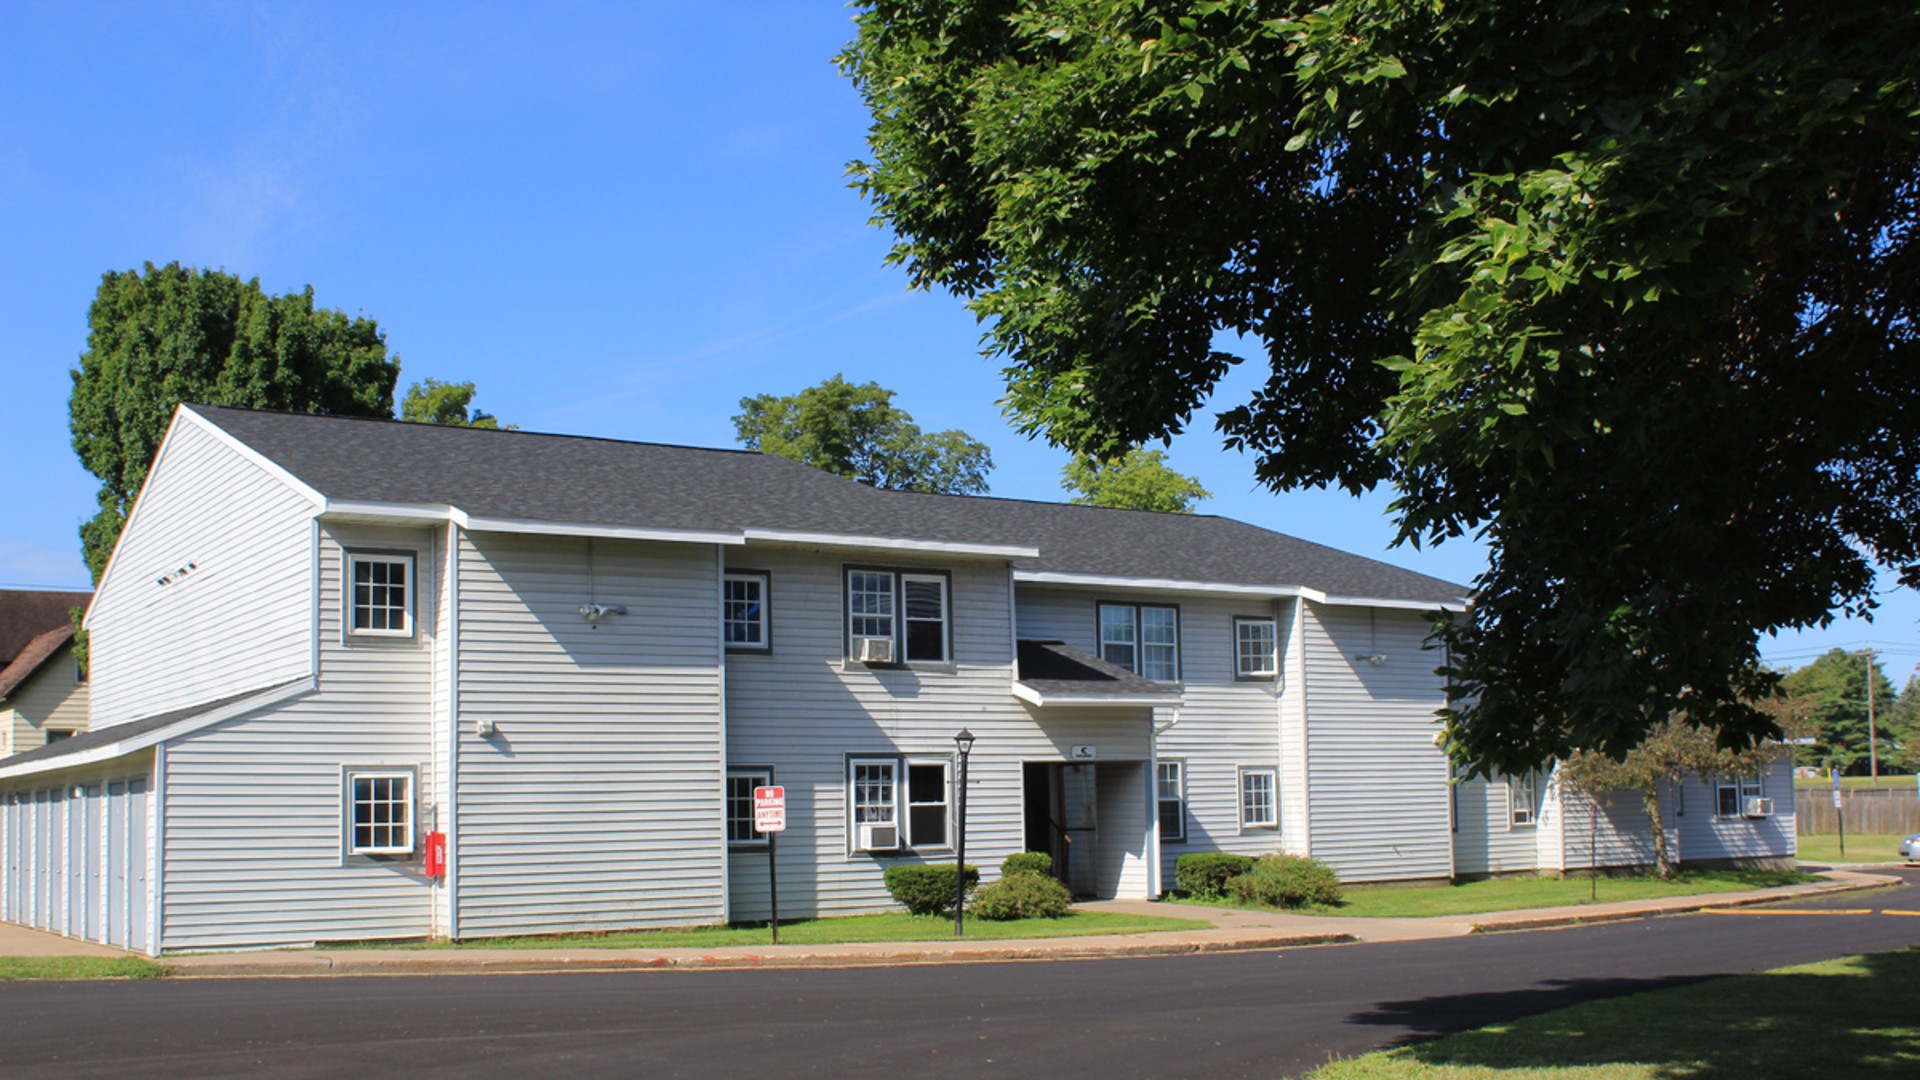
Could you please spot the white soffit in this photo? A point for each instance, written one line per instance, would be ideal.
(1111, 581)
(883, 543)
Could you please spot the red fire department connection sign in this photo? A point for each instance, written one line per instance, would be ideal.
(769, 809)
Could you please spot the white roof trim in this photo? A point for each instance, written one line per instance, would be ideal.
(612, 532)
(413, 512)
(853, 540)
(1114, 581)
(136, 743)
(1035, 697)
(266, 464)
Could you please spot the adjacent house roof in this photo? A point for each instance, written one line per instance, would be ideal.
(34, 625)
(564, 479)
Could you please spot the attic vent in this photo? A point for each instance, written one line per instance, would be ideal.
(175, 574)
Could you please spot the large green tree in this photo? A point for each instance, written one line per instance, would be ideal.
(1136, 480)
(855, 430)
(1832, 692)
(431, 401)
(170, 334)
(1629, 290)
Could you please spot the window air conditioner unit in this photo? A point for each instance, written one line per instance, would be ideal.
(1759, 808)
(879, 838)
(873, 650)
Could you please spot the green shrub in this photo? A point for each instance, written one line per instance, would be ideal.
(926, 890)
(1023, 895)
(1027, 862)
(1204, 873)
(1285, 881)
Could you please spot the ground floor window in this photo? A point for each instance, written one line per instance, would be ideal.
(1170, 785)
(1734, 793)
(873, 803)
(927, 816)
(379, 811)
(1259, 806)
(1523, 799)
(740, 785)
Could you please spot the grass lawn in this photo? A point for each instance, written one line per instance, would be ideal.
(1854, 783)
(1512, 894)
(78, 967)
(1852, 1017)
(1861, 847)
(897, 926)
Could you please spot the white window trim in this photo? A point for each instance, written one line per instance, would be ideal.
(765, 621)
(1138, 667)
(760, 778)
(852, 817)
(1745, 787)
(352, 558)
(905, 792)
(1519, 815)
(351, 773)
(1179, 766)
(946, 617)
(892, 617)
(1273, 656)
(1273, 792)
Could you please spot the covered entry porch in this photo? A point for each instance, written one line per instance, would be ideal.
(1090, 804)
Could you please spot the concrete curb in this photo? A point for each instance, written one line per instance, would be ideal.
(1687, 906)
(472, 962)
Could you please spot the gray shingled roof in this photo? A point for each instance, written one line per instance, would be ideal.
(84, 741)
(1057, 669)
(565, 478)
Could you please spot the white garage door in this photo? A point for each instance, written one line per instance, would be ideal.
(75, 860)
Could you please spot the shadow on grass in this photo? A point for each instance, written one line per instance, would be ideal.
(1857, 1017)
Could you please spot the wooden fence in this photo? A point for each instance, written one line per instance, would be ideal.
(1881, 810)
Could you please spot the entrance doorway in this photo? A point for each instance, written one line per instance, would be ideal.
(1062, 818)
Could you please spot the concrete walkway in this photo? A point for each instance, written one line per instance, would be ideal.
(1232, 931)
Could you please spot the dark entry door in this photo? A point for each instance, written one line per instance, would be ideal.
(1046, 828)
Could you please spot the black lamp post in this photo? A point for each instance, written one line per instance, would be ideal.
(962, 742)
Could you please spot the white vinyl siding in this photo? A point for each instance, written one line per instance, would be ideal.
(163, 636)
(805, 709)
(1377, 785)
(599, 802)
(1709, 838)
(254, 849)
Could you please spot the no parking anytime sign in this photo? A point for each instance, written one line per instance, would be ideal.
(769, 809)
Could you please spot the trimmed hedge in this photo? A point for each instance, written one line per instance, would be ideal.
(1027, 862)
(1204, 874)
(1022, 895)
(1285, 881)
(927, 890)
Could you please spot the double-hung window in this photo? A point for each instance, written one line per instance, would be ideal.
(743, 611)
(1171, 789)
(740, 785)
(379, 811)
(1259, 805)
(908, 611)
(873, 802)
(1256, 653)
(1523, 799)
(1143, 639)
(379, 594)
(1733, 794)
(927, 793)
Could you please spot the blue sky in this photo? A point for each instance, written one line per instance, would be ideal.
(617, 219)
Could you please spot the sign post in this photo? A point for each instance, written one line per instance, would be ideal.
(770, 818)
(1839, 812)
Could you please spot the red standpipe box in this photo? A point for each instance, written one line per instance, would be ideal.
(436, 854)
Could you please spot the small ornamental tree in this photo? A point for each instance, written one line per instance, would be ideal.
(1674, 751)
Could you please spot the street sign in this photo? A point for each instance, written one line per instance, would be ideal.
(1836, 798)
(769, 809)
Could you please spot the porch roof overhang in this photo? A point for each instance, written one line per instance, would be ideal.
(1053, 674)
(121, 740)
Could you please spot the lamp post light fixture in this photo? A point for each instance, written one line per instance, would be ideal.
(963, 743)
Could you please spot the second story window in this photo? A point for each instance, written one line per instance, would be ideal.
(1255, 651)
(1142, 638)
(743, 611)
(379, 595)
(906, 614)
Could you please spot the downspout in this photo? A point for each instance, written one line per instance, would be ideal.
(1296, 649)
(452, 825)
(726, 752)
(156, 830)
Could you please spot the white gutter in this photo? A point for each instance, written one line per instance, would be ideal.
(1115, 581)
(854, 540)
(1037, 698)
